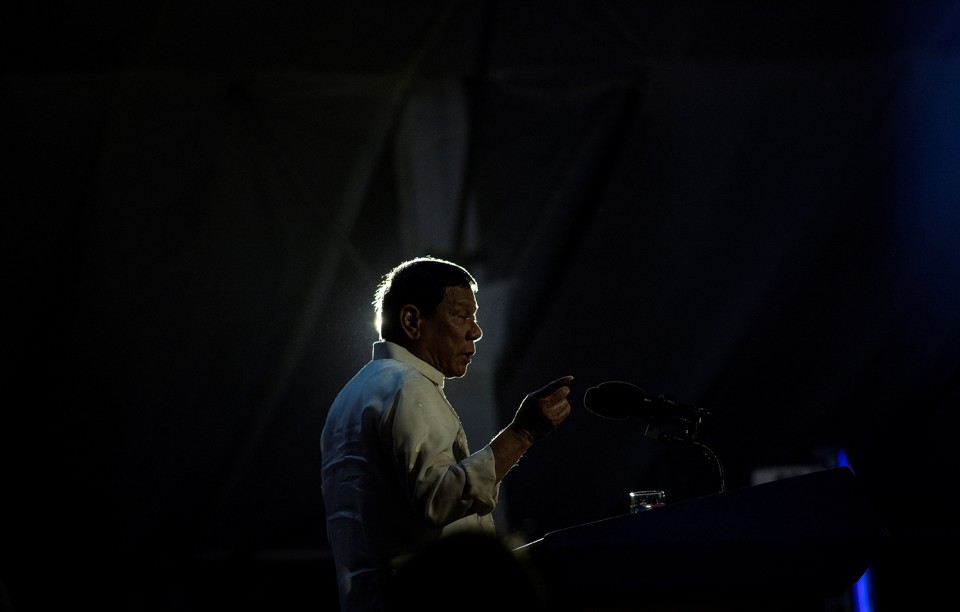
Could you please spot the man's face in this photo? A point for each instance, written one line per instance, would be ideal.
(447, 337)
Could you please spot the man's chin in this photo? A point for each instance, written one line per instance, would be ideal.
(457, 372)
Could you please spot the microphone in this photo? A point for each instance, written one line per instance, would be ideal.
(620, 400)
(616, 400)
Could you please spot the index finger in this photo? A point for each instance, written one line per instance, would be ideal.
(553, 386)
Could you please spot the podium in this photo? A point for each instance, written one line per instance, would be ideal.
(784, 545)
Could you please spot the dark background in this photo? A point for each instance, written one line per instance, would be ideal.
(752, 206)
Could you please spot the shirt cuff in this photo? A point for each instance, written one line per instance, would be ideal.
(481, 471)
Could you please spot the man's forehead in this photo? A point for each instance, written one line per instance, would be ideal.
(460, 297)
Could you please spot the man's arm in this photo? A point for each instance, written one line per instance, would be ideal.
(540, 413)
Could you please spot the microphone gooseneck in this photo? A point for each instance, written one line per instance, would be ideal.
(666, 419)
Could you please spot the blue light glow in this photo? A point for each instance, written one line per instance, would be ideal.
(862, 592)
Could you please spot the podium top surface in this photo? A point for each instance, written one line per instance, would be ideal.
(817, 533)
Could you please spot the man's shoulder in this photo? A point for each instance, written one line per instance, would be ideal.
(387, 373)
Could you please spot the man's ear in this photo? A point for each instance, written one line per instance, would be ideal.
(410, 321)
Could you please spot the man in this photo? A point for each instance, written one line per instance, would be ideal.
(397, 472)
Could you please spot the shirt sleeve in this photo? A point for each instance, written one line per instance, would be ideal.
(441, 479)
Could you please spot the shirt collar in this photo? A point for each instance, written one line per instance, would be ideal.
(383, 349)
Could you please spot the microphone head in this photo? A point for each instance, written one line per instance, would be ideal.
(615, 399)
